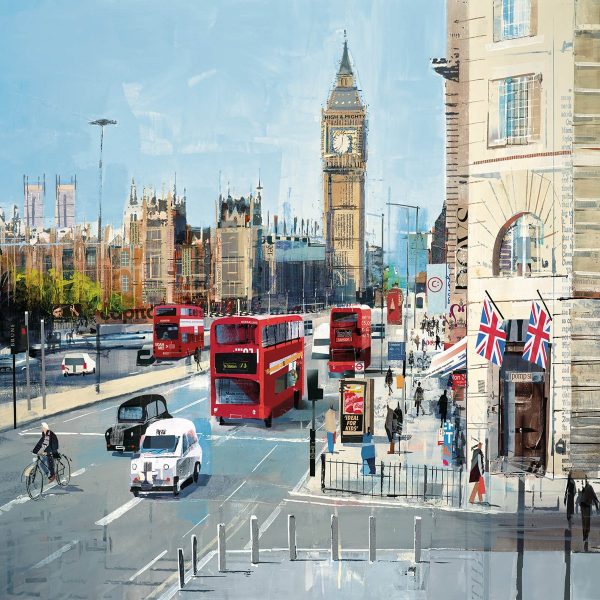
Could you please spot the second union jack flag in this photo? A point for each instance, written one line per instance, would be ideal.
(538, 336)
(491, 338)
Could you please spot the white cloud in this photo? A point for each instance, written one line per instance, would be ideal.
(196, 79)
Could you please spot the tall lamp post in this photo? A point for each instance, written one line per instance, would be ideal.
(416, 208)
(102, 123)
(382, 217)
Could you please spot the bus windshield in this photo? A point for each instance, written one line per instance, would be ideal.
(347, 317)
(237, 391)
(160, 443)
(166, 331)
(166, 311)
(235, 334)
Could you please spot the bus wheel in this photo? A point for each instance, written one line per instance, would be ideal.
(221, 421)
(296, 399)
(269, 421)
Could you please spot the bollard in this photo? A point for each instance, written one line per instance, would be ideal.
(292, 537)
(181, 568)
(254, 539)
(194, 555)
(372, 540)
(417, 539)
(335, 555)
(221, 547)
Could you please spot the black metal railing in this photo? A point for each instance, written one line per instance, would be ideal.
(393, 480)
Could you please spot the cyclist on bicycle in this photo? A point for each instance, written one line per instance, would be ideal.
(48, 445)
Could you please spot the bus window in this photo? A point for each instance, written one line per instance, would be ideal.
(165, 311)
(235, 334)
(166, 331)
(347, 317)
(237, 391)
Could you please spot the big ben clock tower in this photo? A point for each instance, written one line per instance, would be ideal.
(344, 153)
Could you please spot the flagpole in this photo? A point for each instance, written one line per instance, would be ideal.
(544, 303)
(495, 306)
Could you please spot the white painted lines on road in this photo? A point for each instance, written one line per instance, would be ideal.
(78, 472)
(196, 525)
(66, 433)
(266, 524)
(234, 491)
(265, 457)
(256, 438)
(108, 407)
(119, 512)
(80, 416)
(187, 406)
(55, 555)
(144, 568)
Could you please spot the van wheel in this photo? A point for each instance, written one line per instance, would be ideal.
(296, 399)
(269, 421)
(135, 492)
(175, 486)
(196, 472)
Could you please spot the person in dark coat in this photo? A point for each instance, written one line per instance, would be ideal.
(389, 428)
(476, 473)
(588, 497)
(569, 501)
(438, 342)
(443, 406)
(197, 357)
(389, 379)
(418, 397)
(47, 445)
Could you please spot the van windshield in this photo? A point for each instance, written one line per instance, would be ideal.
(160, 443)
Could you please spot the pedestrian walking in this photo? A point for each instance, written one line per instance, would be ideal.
(417, 341)
(423, 342)
(418, 397)
(476, 474)
(438, 342)
(197, 357)
(411, 360)
(389, 379)
(443, 406)
(330, 428)
(367, 453)
(423, 324)
(569, 501)
(437, 326)
(588, 497)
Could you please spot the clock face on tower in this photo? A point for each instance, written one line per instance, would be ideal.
(342, 140)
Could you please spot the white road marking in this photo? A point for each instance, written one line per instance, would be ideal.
(67, 433)
(188, 405)
(119, 512)
(108, 408)
(257, 438)
(196, 525)
(267, 523)
(171, 390)
(78, 472)
(19, 500)
(55, 555)
(138, 573)
(234, 491)
(265, 458)
(79, 416)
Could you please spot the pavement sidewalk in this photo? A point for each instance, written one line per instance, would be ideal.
(84, 396)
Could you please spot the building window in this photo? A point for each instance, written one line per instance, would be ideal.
(124, 259)
(513, 19)
(521, 249)
(124, 283)
(514, 110)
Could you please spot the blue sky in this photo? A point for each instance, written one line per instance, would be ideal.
(203, 86)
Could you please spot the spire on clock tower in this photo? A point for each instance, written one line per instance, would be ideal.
(345, 96)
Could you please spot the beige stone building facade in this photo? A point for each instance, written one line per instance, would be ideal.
(344, 153)
(528, 173)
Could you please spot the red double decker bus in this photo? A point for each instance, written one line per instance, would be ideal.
(178, 330)
(349, 338)
(256, 366)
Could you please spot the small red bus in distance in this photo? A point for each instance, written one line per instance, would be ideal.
(178, 329)
(349, 338)
(256, 366)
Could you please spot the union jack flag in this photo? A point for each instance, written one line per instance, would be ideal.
(538, 336)
(491, 338)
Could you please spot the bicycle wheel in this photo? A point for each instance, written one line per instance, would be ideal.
(35, 483)
(62, 467)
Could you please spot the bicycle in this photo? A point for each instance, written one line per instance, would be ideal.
(423, 362)
(34, 474)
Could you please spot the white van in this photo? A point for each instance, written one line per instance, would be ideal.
(170, 454)
(78, 363)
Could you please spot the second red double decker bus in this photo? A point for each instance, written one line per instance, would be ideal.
(178, 330)
(349, 338)
(256, 366)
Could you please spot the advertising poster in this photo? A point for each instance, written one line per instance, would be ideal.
(436, 289)
(394, 306)
(353, 395)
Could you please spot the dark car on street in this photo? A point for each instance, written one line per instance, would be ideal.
(133, 417)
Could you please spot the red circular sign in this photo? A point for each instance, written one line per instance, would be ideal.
(435, 284)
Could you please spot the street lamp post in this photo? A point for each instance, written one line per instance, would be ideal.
(382, 217)
(102, 123)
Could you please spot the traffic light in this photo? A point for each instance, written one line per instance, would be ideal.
(18, 338)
